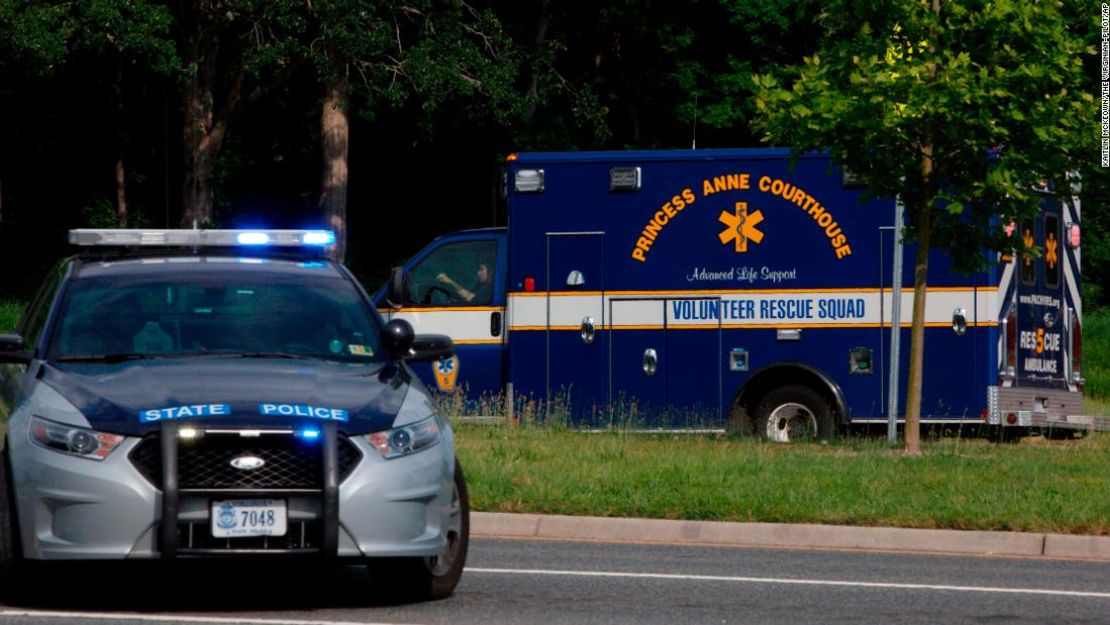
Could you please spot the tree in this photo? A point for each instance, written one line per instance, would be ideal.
(233, 53)
(126, 34)
(958, 107)
(432, 54)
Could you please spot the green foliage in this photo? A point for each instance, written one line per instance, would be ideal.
(995, 91)
(1096, 354)
(1038, 485)
(774, 33)
(10, 312)
(43, 35)
(429, 54)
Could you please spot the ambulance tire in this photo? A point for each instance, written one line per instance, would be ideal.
(433, 578)
(794, 413)
(1062, 434)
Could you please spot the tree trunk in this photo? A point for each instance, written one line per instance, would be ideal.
(334, 136)
(204, 125)
(542, 23)
(121, 190)
(121, 143)
(924, 214)
(912, 428)
(200, 149)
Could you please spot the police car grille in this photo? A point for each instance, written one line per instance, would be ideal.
(205, 463)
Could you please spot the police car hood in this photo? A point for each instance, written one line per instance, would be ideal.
(134, 397)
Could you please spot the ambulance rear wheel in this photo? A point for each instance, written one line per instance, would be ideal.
(794, 413)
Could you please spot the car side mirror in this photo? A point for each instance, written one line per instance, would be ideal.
(12, 349)
(431, 347)
(398, 288)
(397, 338)
(402, 343)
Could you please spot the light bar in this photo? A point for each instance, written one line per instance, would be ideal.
(88, 237)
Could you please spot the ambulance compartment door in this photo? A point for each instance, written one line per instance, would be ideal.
(951, 385)
(577, 341)
(696, 362)
(665, 363)
(1041, 313)
(638, 365)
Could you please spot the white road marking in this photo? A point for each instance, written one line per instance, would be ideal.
(169, 618)
(799, 582)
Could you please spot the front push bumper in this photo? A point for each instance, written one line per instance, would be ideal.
(72, 508)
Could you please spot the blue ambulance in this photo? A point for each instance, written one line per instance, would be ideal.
(737, 288)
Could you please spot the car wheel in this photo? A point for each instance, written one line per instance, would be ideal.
(434, 577)
(11, 552)
(794, 413)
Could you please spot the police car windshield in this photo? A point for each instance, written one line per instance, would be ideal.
(214, 312)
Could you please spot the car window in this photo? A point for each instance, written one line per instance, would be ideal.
(1028, 266)
(1052, 251)
(30, 327)
(223, 314)
(456, 274)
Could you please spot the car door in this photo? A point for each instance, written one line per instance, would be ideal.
(456, 287)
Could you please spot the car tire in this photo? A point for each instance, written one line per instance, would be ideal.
(794, 413)
(435, 577)
(11, 552)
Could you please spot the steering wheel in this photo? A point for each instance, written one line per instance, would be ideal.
(432, 289)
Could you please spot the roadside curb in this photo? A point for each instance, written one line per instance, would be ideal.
(504, 525)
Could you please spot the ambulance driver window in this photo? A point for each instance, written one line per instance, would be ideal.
(1052, 251)
(457, 274)
(1028, 269)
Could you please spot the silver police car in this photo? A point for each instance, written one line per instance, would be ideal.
(191, 393)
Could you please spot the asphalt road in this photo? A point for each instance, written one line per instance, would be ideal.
(563, 582)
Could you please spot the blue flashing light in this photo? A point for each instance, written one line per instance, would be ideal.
(318, 237)
(253, 238)
(309, 433)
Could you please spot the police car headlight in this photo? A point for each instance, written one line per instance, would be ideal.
(406, 440)
(73, 440)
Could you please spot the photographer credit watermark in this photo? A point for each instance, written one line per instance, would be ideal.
(1105, 66)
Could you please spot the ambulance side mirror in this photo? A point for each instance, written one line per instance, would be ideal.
(398, 288)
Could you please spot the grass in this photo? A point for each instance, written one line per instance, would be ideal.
(1037, 485)
(10, 310)
(1096, 354)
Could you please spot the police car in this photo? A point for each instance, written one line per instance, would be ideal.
(191, 393)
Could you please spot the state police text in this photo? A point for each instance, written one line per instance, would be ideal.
(769, 309)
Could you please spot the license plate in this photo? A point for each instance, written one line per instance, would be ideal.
(233, 518)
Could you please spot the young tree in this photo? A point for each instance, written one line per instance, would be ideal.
(959, 107)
